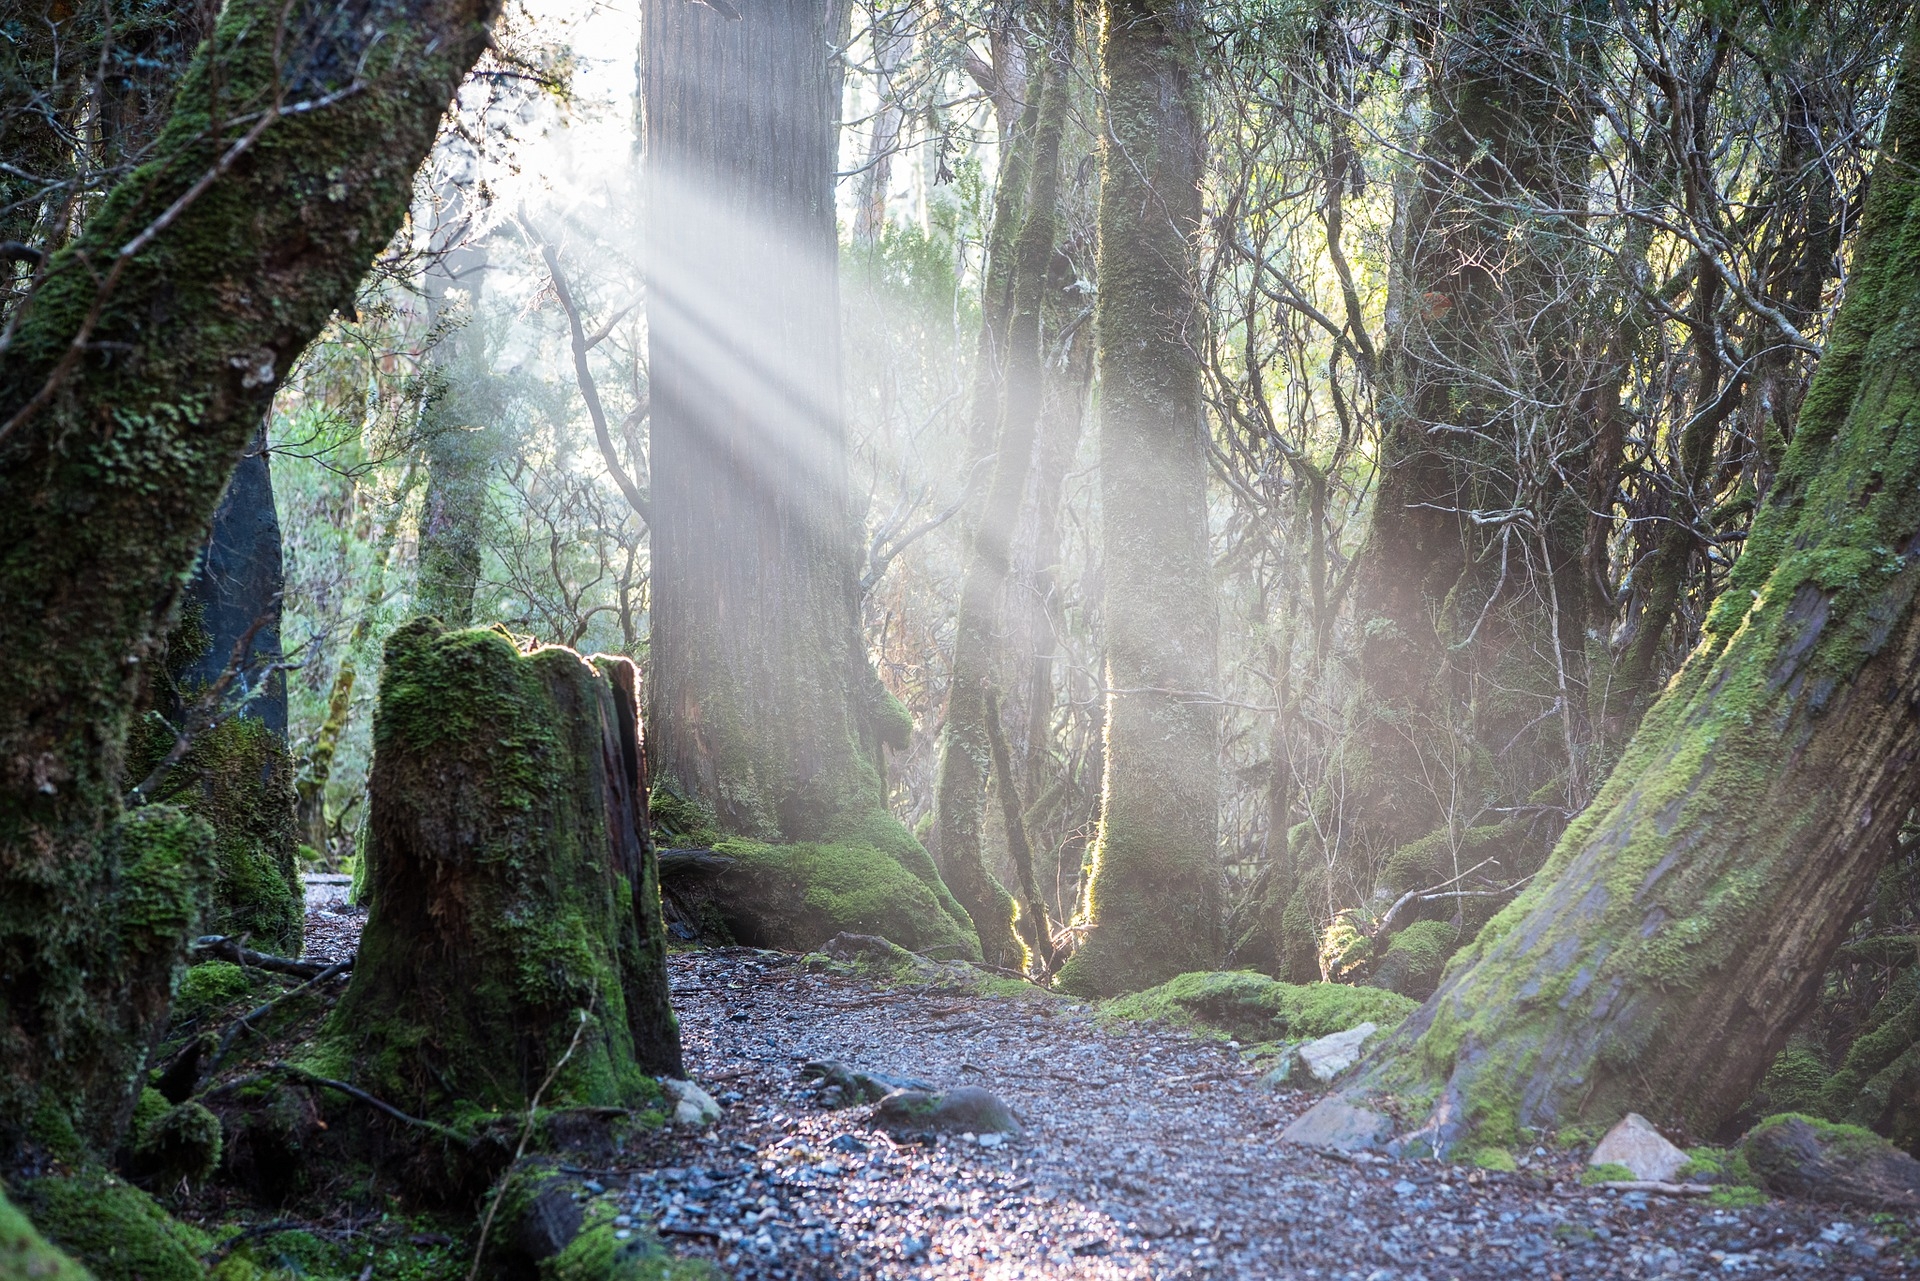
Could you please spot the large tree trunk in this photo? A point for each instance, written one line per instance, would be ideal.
(759, 672)
(1156, 888)
(965, 756)
(1681, 928)
(516, 901)
(1466, 595)
(138, 372)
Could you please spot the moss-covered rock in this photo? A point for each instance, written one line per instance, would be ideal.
(1803, 1156)
(117, 1231)
(1415, 957)
(515, 931)
(798, 896)
(182, 1143)
(1253, 1007)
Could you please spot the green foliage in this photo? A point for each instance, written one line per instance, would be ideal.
(1253, 1007)
(798, 896)
(681, 821)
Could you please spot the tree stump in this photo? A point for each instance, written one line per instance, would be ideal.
(515, 938)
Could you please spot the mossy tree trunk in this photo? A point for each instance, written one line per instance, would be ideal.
(979, 623)
(516, 901)
(139, 369)
(760, 677)
(1682, 925)
(1156, 889)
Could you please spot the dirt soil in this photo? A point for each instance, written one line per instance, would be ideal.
(1148, 1152)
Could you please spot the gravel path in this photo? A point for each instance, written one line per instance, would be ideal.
(1148, 1153)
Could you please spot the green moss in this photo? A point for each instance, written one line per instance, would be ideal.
(1716, 1165)
(1607, 1172)
(207, 987)
(1735, 1196)
(238, 777)
(798, 896)
(1492, 1158)
(1796, 1081)
(183, 1143)
(1415, 957)
(117, 1231)
(26, 1256)
(1253, 1007)
(150, 1107)
(680, 821)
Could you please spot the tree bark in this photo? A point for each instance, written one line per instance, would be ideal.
(1682, 925)
(759, 670)
(978, 643)
(140, 368)
(516, 900)
(1155, 894)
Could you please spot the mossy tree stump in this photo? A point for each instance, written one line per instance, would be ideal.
(516, 904)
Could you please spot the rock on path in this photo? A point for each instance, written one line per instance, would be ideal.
(1147, 1153)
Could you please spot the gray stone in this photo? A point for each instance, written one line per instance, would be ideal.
(1635, 1144)
(1339, 1127)
(965, 1110)
(1329, 1056)
(691, 1104)
(1798, 1157)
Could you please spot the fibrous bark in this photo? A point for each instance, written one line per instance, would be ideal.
(139, 370)
(1156, 889)
(759, 700)
(516, 902)
(1681, 927)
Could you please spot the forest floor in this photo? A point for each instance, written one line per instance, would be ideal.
(1148, 1153)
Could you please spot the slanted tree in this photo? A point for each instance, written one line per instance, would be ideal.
(1155, 895)
(761, 691)
(1682, 925)
(979, 621)
(134, 377)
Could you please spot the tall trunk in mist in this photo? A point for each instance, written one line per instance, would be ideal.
(1155, 896)
(138, 373)
(1476, 308)
(758, 669)
(965, 755)
(1683, 923)
(456, 446)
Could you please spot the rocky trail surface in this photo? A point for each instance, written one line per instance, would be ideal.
(1147, 1153)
